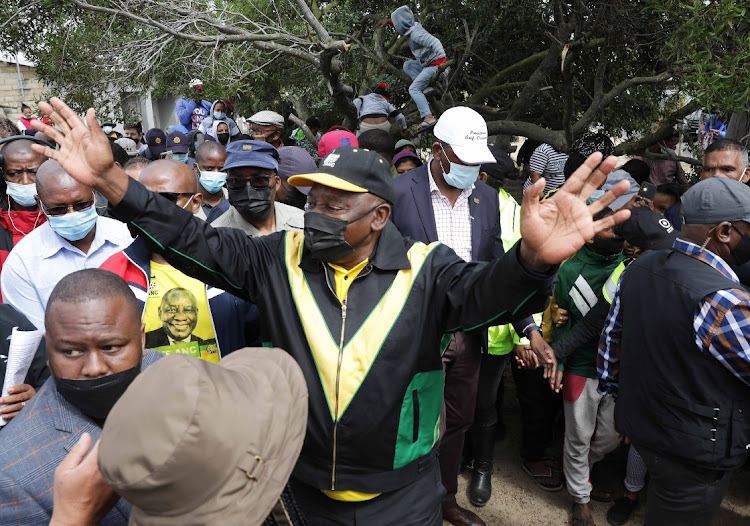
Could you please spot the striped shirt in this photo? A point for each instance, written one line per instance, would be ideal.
(546, 161)
(721, 323)
(453, 222)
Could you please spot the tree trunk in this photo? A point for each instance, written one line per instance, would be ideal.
(739, 127)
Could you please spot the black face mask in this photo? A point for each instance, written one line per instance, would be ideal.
(324, 236)
(254, 204)
(95, 398)
(606, 247)
(223, 138)
(741, 252)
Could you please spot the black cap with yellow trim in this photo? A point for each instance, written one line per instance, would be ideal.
(352, 170)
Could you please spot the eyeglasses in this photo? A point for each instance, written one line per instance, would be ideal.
(64, 209)
(173, 196)
(256, 181)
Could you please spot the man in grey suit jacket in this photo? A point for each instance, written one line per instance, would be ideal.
(95, 342)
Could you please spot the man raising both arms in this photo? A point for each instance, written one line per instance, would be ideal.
(375, 375)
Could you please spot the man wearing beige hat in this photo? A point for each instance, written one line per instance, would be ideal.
(359, 307)
(218, 448)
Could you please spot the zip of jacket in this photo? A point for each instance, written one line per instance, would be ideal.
(338, 367)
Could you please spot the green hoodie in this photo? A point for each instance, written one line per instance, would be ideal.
(578, 289)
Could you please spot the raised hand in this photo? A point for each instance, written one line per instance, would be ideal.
(554, 229)
(81, 495)
(84, 151)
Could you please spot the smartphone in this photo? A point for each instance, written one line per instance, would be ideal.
(647, 190)
(166, 155)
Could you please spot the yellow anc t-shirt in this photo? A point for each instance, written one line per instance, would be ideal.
(177, 316)
(343, 279)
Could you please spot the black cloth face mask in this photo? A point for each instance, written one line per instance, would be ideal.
(254, 204)
(222, 137)
(741, 252)
(606, 247)
(324, 236)
(96, 397)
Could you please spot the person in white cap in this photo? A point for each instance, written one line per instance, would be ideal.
(267, 126)
(128, 145)
(443, 201)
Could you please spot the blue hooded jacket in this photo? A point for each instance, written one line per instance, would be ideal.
(425, 47)
(185, 110)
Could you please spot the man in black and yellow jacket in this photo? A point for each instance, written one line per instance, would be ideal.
(362, 309)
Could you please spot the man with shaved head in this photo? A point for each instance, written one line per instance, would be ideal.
(209, 168)
(19, 213)
(73, 238)
(182, 314)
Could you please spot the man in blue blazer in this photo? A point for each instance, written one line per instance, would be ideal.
(444, 201)
(95, 342)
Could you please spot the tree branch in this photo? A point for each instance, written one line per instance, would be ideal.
(604, 100)
(311, 19)
(664, 130)
(555, 138)
(301, 124)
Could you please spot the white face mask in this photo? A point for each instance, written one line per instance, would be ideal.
(460, 175)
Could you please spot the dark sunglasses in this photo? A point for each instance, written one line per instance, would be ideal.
(174, 196)
(63, 209)
(257, 181)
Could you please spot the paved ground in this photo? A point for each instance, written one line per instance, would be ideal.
(518, 501)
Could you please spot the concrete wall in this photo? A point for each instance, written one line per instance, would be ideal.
(10, 93)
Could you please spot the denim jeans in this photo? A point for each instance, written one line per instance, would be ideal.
(421, 77)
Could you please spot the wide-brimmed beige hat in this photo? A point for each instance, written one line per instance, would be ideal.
(196, 443)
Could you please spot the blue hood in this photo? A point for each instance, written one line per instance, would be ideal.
(403, 20)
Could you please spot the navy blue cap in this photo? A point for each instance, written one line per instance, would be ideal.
(256, 154)
(156, 140)
(177, 142)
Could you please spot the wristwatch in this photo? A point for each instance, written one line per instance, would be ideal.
(531, 327)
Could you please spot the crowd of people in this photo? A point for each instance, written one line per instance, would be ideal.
(314, 328)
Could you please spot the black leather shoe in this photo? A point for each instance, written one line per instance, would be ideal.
(480, 488)
(619, 513)
(459, 516)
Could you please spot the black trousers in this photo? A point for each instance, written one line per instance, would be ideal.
(490, 375)
(461, 366)
(680, 494)
(415, 504)
(539, 409)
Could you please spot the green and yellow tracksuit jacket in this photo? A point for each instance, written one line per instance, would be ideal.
(372, 360)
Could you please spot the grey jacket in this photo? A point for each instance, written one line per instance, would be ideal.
(375, 105)
(287, 218)
(425, 47)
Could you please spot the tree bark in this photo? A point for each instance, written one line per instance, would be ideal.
(739, 127)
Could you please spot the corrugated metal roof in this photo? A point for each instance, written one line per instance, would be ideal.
(13, 58)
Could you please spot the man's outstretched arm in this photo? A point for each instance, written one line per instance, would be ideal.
(224, 258)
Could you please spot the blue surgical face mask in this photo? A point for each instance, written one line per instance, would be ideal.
(212, 181)
(23, 194)
(107, 129)
(74, 226)
(460, 175)
(181, 157)
(219, 115)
